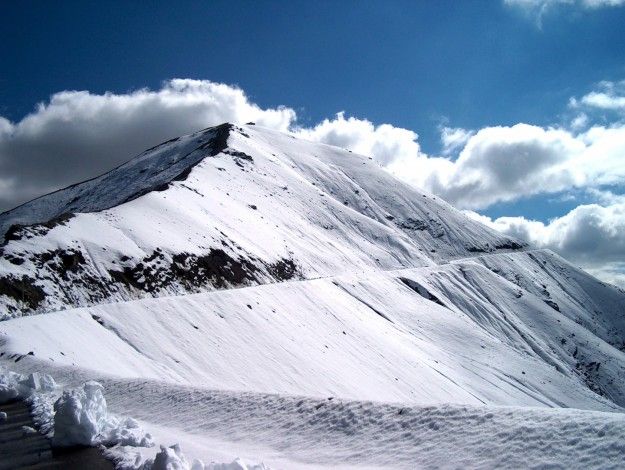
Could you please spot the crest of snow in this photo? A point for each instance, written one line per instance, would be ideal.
(81, 418)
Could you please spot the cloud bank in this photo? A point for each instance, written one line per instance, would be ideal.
(591, 235)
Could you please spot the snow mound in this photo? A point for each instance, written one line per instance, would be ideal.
(170, 458)
(236, 464)
(81, 418)
(14, 386)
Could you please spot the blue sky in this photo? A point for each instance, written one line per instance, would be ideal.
(422, 67)
(412, 64)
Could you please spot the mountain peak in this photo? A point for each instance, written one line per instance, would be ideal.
(152, 170)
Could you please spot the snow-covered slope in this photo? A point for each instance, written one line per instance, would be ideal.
(457, 333)
(223, 207)
(240, 289)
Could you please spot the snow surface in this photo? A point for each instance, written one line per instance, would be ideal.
(292, 304)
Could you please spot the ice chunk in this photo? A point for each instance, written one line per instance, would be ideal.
(28, 431)
(170, 458)
(17, 386)
(38, 382)
(80, 416)
(8, 387)
(128, 432)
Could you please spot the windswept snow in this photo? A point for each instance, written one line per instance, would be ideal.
(240, 292)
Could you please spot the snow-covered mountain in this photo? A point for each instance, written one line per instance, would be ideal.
(225, 207)
(239, 268)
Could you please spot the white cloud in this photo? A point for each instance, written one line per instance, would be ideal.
(497, 164)
(602, 3)
(385, 142)
(579, 122)
(79, 134)
(609, 96)
(591, 235)
(544, 4)
(454, 138)
(538, 9)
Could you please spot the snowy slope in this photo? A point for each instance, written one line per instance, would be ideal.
(368, 336)
(224, 207)
(246, 293)
(196, 369)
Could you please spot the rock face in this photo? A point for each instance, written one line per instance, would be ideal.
(228, 206)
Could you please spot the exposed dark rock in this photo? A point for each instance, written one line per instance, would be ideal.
(413, 224)
(23, 290)
(15, 232)
(59, 220)
(239, 155)
(217, 266)
(422, 291)
(284, 269)
(510, 245)
(478, 249)
(16, 260)
(59, 261)
(19, 231)
(552, 304)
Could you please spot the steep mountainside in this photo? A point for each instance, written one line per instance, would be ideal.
(224, 207)
(243, 292)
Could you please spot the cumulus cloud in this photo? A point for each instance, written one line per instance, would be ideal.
(591, 235)
(496, 164)
(385, 142)
(500, 163)
(608, 96)
(78, 134)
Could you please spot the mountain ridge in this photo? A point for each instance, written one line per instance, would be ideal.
(352, 208)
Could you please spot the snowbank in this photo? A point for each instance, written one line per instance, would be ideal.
(15, 386)
(170, 458)
(81, 418)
